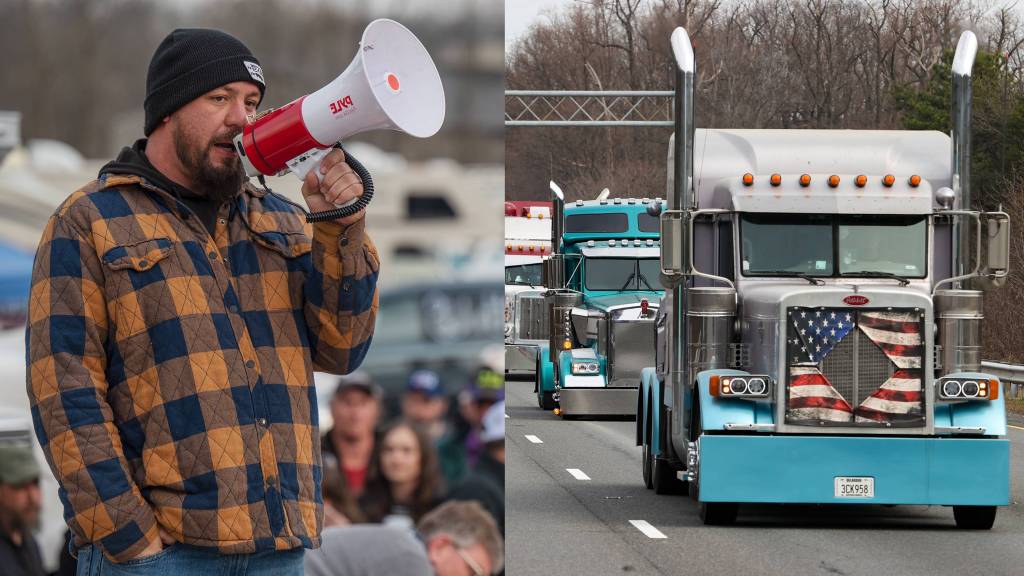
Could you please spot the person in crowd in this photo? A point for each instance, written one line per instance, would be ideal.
(178, 313)
(348, 447)
(486, 483)
(485, 388)
(425, 404)
(455, 539)
(20, 504)
(409, 484)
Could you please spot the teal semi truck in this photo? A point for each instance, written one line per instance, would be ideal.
(819, 340)
(602, 294)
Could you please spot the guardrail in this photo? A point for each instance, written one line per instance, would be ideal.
(1011, 375)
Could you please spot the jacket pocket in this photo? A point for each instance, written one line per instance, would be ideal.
(140, 256)
(286, 244)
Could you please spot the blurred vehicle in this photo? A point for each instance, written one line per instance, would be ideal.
(443, 327)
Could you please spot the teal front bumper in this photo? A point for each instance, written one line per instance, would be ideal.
(802, 469)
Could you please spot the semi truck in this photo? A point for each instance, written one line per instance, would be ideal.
(819, 338)
(599, 307)
(527, 243)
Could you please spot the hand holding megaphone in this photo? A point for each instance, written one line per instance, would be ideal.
(333, 184)
(391, 84)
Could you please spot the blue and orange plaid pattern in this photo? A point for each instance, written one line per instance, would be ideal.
(171, 372)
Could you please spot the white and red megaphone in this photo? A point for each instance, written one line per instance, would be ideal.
(391, 84)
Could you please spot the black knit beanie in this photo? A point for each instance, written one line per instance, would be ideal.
(189, 63)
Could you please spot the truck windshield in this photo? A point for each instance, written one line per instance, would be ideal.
(811, 244)
(523, 274)
(622, 274)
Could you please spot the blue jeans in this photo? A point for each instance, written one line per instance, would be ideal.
(185, 560)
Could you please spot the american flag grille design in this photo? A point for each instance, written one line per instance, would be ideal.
(858, 367)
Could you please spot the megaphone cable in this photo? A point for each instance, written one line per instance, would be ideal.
(344, 211)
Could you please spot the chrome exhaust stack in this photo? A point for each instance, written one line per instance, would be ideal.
(960, 115)
(681, 196)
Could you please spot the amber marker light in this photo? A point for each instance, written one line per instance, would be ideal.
(833, 180)
(776, 179)
(805, 180)
(888, 180)
(748, 179)
(713, 385)
(860, 180)
(914, 181)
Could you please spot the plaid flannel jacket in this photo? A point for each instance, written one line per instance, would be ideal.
(171, 372)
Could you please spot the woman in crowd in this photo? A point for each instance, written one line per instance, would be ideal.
(409, 482)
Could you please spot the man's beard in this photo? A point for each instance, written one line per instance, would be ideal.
(220, 181)
(25, 522)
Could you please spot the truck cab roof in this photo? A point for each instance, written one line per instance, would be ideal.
(611, 219)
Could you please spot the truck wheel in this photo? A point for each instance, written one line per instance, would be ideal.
(711, 513)
(663, 473)
(546, 400)
(648, 465)
(718, 513)
(974, 517)
(664, 478)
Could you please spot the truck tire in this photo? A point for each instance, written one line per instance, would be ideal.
(717, 513)
(664, 478)
(648, 466)
(974, 517)
(663, 473)
(710, 513)
(546, 400)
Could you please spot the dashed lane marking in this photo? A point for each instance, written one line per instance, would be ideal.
(648, 530)
(577, 473)
(534, 439)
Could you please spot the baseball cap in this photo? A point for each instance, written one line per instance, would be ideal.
(425, 382)
(17, 463)
(487, 385)
(358, 380)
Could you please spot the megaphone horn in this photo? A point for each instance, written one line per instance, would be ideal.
(392, 83)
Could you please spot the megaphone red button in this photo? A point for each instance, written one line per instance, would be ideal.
(393, 82)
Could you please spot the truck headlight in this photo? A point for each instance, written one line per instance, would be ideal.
(585, 368)
(749, 387)
(951, 388)
(954, 389)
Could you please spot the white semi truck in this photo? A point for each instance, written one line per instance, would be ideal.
(819, 339)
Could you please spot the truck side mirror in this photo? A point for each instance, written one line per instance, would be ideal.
(675, 243)
(996, 228)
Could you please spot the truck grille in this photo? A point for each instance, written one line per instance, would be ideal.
(631, 351)
(871, 377)
(532, 320)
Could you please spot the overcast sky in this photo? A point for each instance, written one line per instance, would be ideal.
(520, 14)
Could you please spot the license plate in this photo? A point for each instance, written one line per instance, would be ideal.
(855, 487)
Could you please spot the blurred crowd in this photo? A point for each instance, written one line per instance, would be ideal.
(394, 469)
(411, 486)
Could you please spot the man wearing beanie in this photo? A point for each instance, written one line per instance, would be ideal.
(177, 316)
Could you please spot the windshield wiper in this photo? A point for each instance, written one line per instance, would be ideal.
(628, 281)
(877, 274)
(791, 274)
(643, 279)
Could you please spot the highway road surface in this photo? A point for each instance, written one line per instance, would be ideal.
(576, 504)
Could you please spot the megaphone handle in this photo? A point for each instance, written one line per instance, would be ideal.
(311, 160)
(302, 164)
(350, 207)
